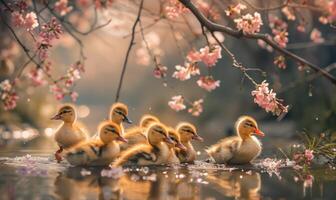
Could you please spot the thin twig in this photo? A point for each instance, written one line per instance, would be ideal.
(128, 51)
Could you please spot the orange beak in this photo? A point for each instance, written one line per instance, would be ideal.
(259, 132)
(181, 146)
(122, 139)
(56, 117)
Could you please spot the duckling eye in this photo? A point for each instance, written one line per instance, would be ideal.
(249, 124)
(174, 139)
(159, 131)
(188, 131)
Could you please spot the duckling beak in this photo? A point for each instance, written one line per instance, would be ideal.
(169, 140)
(127, 120)
(122, 139)
(198, 138)
(181, 146)
(56, 117)
(259, 132)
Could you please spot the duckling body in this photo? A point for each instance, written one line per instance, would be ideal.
(155, 152)
(241, 149)
(97, 152)
(173, 148)
(187, 133)
(69, 132)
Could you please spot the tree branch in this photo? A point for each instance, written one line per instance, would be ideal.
(211, 26)
(128, 51)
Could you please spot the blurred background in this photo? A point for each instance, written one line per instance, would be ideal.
(312, 102)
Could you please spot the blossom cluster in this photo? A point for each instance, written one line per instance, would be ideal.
(62, 7)
(267, 100)
(174, 9)
(28, 21)
(279, 30)
(177, 103)
(248, 23)
(7, 95)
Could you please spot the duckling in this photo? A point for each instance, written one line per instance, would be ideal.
(175, 137)
(137, 134)
(240, 149)
(187, 133)
(97, 152)
(118, 114)
(69, 133)
(156, 152)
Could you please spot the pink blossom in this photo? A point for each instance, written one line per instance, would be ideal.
(8, 95)
(207, 10)
(277, 24)
(160, 71)
(74, 96)
(234, 10)
(36, 76)
(289, 13)
(309, 154)
(185, 72)
(301, 28)
(17, 19)
(31, 21)
(316, 36)
(194, 56)
(177, 103)
(197, 108)
(280, 62)
(62, 7)
(249, 24)
(57, 91)
(174, 9)
(266, 99)
(211, 56)
(208, 83)
(281, 37)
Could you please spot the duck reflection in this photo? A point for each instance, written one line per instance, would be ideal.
(134, 184)
(238, 184)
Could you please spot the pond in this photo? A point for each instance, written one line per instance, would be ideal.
(35, 175)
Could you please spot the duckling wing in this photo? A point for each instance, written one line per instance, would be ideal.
(135, 154)
(134, 136)
(225, 149)
(83, 153)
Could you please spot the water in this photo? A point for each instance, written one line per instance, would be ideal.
(39, 177)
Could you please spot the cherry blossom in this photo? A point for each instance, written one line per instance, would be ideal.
(36, 76)
(234, 10)
(208, 10)
(211, 56)
(280, 62)
(288, 13)
(309, 154)
(197, 108)
(160, 71)
(177, 103)
(281, 37)
(249, 24)
(194, 56)
(74, 96)
(185, 72)
(174, 9)
(17, 19)
(62, 7)
(57, 91)
(208, 83)
(316, 36)
(266, 99)
(7, 95)
(31, 21)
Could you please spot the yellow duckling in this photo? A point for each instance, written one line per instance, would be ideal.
(98, 152)
(156, 152)
(69, 133)
(187, 133)
(175, 137)
(137, 134)
(241, 149)
(118, 114)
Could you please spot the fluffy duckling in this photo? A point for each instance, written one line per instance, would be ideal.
(137, 134)
(240, 149)
(69, 133)
(187, 133)
(118, 114)
(175, 137)
(99, 152)
(155, 152)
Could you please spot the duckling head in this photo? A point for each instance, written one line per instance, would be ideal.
(158, 133)
(246, 126)
(119, 112)
(187, 132)
(110, 131)
(66, 113)
(147, 119)
(175, 136)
